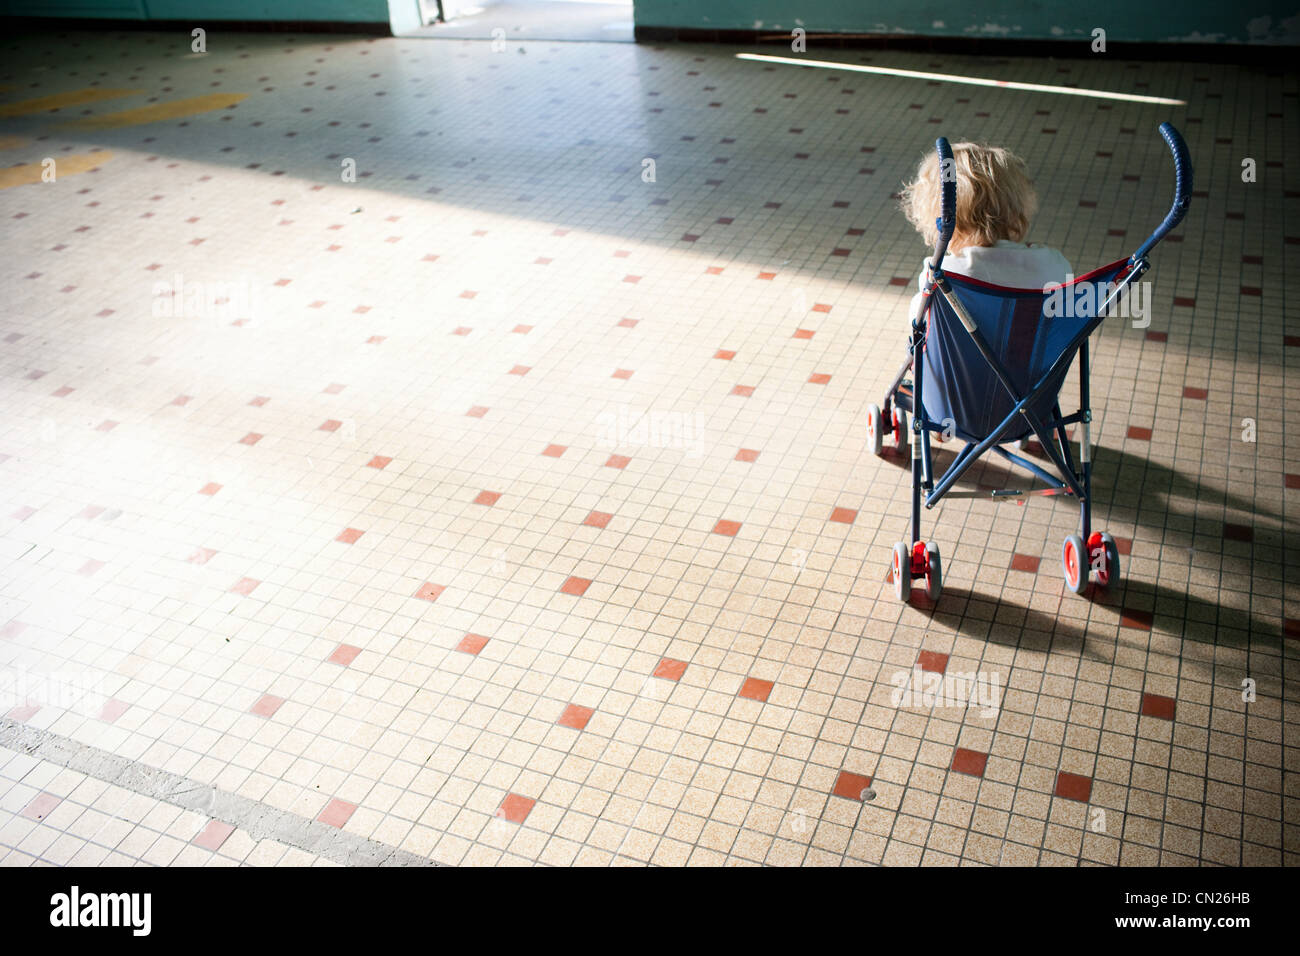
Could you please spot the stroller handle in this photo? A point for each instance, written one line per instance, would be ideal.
(948, 182)
(1182, 189)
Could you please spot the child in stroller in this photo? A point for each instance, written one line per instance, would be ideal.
(991, 346)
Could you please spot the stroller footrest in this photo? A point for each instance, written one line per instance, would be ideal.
(1009, 494)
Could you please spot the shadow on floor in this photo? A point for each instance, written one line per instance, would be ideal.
(1161, 491)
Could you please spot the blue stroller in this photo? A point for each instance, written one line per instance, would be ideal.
(988, 364)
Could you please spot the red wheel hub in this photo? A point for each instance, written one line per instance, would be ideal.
(1097, 547)
(920, 564)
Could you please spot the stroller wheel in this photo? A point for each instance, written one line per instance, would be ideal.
(902, 571)
(875, 429)
(1104, 556)
(900, 431)
(933, 571)
(1074, 563)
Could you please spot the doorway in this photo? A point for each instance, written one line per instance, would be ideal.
(603, 21)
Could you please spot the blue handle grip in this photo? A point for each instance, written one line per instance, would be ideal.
(948, 182)
(1182, 188)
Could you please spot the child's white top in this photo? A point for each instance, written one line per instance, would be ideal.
(1015, 264)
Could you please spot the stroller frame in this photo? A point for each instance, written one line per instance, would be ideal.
(1082, 553)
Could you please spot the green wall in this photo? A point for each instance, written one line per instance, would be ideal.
(1176, 21)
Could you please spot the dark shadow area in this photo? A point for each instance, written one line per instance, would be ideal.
(1008, 625)
(1125, 487)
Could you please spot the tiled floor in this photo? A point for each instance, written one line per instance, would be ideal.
(511, 504)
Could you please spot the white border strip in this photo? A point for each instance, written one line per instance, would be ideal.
(968, 80)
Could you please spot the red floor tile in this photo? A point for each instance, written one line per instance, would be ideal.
(575, 716)
(266, 705)
(245, 586)
(554, 451)
(728, 528)
(755, 689)
(349, 535)
(970, 762)
(41, 806)
(931, 661)
(1131, 617)
(744, 391)
(597, 519)
(1139, 434)
(670, 669)
(344, 654)
(819, 378)
(488, 498)
(516, 808)
(337, 813)
(472, 643)
(576, 586)
(1072, 786)
(1153, 705)
(428, 591)
(747, 455)
(851, 786)
(1024, 562)
(379, 461)
(725, 354)
(844, 515)
(618, 461)
(112, 710)
(213, 835)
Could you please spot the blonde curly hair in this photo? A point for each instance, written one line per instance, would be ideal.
(995, 196)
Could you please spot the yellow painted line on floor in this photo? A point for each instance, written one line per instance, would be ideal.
(12, 142)
(58, 101)
(156, 112)
(29, 173)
